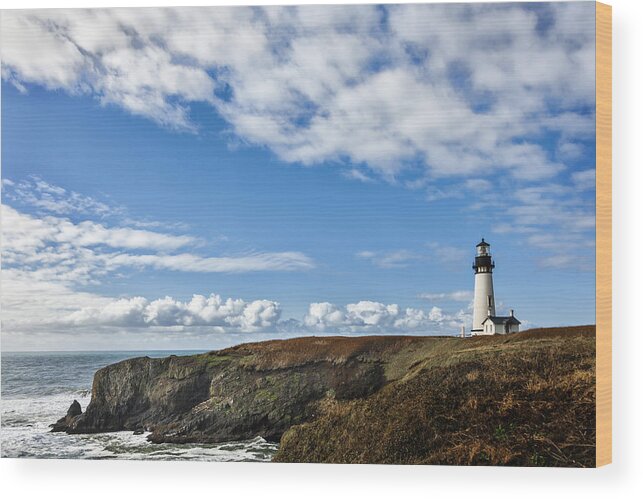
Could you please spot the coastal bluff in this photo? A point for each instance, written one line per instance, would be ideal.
(521, 399)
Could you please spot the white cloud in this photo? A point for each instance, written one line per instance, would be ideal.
(442, 253)
(59, 249)
(47, 199)
(585, 180)
(22, 232)
(369, 313)
(33, 53)
(569, 150)
(555, 219)
(459, 88)
(412, 319)
(186, 262)
(29, 302)
(45, 308)
(448, 254)
(324, 315)
(463, 295)
(375, 317)
(436, 314)
(48, 260)
(388, 260)
(54, 199)
(222, 315)
(434, 92)
(555, 207)
(478, 184)
(38, 306)
(355, 174)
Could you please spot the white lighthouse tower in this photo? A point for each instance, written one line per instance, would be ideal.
(484, 304)
(485, 320)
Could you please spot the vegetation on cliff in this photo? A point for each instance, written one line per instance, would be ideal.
(523, 399)
(526, 399)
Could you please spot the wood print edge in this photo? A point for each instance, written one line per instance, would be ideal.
(603, 234)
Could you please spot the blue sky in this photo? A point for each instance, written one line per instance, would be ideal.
(332, 167)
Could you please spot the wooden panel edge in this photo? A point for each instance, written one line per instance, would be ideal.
(603, 234)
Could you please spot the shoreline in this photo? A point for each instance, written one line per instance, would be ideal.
(306, 391)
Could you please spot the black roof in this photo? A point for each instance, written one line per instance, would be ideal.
(482, 243)
(496, 319)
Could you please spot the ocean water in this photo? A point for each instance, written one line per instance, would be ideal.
(37, 390)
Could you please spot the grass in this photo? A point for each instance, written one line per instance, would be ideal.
(526, 399)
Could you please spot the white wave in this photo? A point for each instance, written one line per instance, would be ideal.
(25, 432)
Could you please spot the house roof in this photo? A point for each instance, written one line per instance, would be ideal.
(482, 243)
(496, 319)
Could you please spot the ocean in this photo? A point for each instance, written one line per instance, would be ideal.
(37, 390)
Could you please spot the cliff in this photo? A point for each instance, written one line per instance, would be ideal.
(523, 399)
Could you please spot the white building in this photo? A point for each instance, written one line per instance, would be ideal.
(500, 325)
(485, 320)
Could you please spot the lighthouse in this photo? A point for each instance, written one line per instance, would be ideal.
(485, 320)
(483, 300)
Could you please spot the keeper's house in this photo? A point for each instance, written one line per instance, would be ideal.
(495, 324)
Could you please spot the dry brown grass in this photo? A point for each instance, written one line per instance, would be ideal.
(523, 400)
(280, 354)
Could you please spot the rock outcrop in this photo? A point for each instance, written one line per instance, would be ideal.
(64, 423)
(522, 399)
(234, 394)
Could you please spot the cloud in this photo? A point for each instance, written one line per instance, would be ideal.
(369, 313)
(585, 179)
(355, 174)
(324, 315)
(186, 262)
(478, 184)
(54, 199)
(221, 315)
(445, 254)
(460, 100)
(29, 303)
(39, 306)
(554, 206)
(45, 198)
(375, 317)
(48, 260)
(464, 295)
(44, 308)
(457, 89)
(568, 150)
(59, 249)
(388, 260)
(23, 232)
(448, 254)
(555, 219)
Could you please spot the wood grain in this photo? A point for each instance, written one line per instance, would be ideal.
(603, 234)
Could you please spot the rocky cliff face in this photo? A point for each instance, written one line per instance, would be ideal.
(234, 394)
(522, 399)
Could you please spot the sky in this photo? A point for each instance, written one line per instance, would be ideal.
(201, 177)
